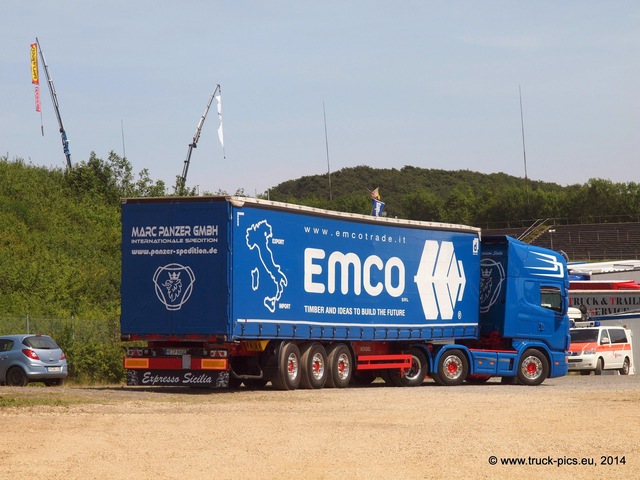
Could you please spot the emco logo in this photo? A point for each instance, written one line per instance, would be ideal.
(440, 280)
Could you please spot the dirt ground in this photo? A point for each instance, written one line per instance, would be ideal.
(374, 432)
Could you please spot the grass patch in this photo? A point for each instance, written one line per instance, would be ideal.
(44, 399)
(6, 401)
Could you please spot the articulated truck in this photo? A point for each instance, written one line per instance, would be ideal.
(225, 291)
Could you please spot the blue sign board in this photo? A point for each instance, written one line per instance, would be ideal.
(174, 268)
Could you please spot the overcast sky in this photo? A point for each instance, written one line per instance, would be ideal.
(422, 83)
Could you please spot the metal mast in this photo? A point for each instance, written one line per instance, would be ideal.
(326, 143)
(54, 99)
(524, 150)
(182, 181)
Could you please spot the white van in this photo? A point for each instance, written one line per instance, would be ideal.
(596, 348)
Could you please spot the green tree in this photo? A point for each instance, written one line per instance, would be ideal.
(460, 206)
(423, 205)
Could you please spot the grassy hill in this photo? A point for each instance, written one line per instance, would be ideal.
(420, 194)
(59, 245)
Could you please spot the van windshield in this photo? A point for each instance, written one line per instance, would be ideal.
(584, 335)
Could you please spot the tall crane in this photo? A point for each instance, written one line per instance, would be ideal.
(54, 99)
(182, 180)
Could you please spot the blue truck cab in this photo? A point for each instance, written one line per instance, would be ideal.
(523, 312)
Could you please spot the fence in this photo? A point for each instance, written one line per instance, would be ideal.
(77, 329)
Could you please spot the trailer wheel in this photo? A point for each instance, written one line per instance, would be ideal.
(453, 367)
(313, 360)
(415, 375)
(288, 374)
(534, 367)
(625, 367)
(340, 366)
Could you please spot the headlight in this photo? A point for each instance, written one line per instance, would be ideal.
(589, 352)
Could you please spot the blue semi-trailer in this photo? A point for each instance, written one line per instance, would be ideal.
(220, 291)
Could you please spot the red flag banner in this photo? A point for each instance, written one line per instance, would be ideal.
(34, 64)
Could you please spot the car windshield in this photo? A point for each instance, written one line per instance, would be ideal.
(583, 335)
(40, 343)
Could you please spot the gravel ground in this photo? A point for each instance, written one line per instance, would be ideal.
(374, 432)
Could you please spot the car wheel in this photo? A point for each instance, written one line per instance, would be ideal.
(599, 367)
(16, 377)
(625, 367)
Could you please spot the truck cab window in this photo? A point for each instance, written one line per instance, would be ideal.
(551, 298)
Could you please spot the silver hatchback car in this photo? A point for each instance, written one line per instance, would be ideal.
(31, 358)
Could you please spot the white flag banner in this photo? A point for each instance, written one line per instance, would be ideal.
(220, 132)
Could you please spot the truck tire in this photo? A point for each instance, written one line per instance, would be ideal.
(625, 367)
(533, 368)
(434, 376)
(16, 377)
(453, 367)
(415, 375)
(388, 377)
(340, 366)
(599, 367)
(313, 362)
(287, 376)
